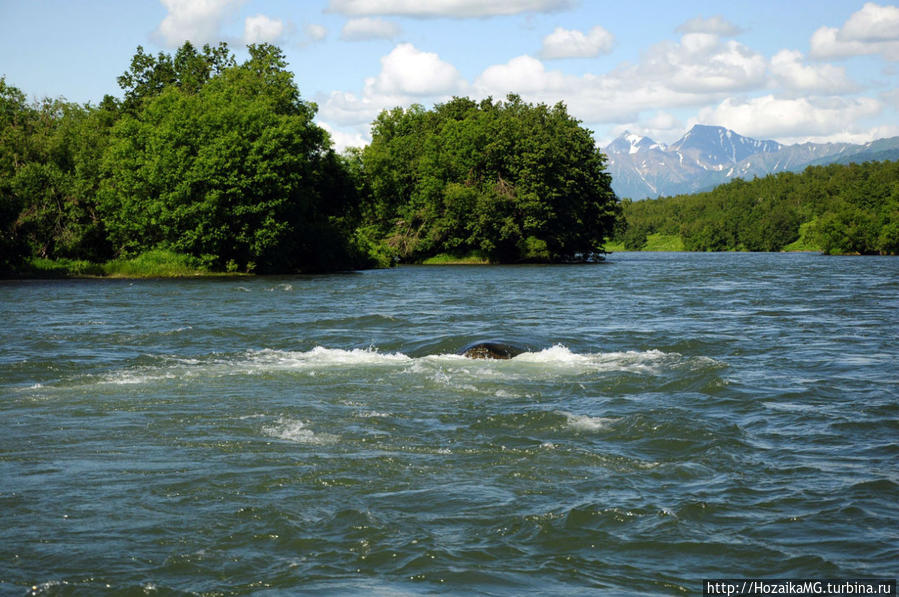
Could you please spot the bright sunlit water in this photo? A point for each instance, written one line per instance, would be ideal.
(678, 417)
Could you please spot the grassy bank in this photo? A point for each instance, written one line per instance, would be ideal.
(447, 259)
(654, 242)
(152, 264)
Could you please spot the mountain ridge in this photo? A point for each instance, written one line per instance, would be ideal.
(707, 156)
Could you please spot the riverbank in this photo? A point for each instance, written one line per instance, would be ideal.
(674, 243)
(152, 264)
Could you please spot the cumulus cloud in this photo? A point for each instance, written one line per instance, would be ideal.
(408, 71)
(788, 69)
(348, 109)
(702, 71)
(198, 21)
(701, 62)
(699, 69)
(445, 8)
(872, 23)
(570, 43)
(369, 28)
(525, 75)
(260, 29)
(408, 75)
(873, 29)
(772, 117)
(615, 97)
(716, 25)
(342, 139)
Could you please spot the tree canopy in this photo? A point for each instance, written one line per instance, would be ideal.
(509, 180)
(836, 209)
(204, 157)
(231, 170)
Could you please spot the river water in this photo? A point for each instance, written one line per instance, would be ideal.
(677, 417)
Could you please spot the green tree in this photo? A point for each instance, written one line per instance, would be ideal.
(49, 159)
(509, 180)
(235, 173)
(188, 70)
(840, 208)
(14, 115)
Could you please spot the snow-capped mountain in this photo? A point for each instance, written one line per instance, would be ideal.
(630, 143)
(711, 155)
(716, 148)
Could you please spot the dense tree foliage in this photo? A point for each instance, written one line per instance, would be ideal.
(204, 157)
(507, 180)
(188, 70)
(50, 155)
(230, 169)
(836, 209)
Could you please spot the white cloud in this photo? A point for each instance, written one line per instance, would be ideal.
(343, 139)
(570, 43)
(616, 97)
(771, 117)
(715, 78)
(445, 8)
(260, 29)
(872, 23)
(698, 70)
(369, 28)
(198, 21)
(716, 25)
(701, 63)
(315, 32)
(872, 30)
(408, 71)
(525, 75)
(408, 75)
(788, 69)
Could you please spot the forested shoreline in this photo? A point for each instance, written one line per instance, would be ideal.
(207, 165)
(210, 165)
(834, 209)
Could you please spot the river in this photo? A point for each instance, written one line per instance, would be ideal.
(677, 417)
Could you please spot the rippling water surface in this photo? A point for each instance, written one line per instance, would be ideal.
(677, 417)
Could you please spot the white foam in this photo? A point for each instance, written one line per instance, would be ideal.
(557, 354)
(320, 356)
(482, 376)
(588, 423)
(296, 431)
(143, 376)
(562, 359)
(283, 287)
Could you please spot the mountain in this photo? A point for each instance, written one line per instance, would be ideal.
(711, 155)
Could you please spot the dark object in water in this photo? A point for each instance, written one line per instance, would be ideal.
(491, 350)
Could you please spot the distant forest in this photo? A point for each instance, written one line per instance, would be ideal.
(219, 166)
(835, 209)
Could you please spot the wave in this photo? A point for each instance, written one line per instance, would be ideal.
(481, 376)
(294, 430)
(588, 423)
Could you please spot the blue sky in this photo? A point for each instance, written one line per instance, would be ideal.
(793, 71)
